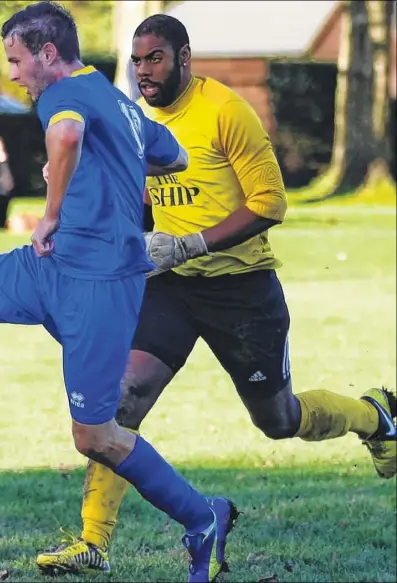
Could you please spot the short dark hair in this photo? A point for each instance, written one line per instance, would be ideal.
(167, 27)
(45, 22)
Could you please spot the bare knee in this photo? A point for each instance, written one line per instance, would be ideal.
(278, 416)
(91, 440)
(108, 443)
(144, 380)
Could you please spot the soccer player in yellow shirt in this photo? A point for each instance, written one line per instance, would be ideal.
(211, 234)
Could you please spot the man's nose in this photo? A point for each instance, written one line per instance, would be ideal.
(14, 73)
(144, 70)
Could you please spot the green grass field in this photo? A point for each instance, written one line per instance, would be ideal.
(312, 512)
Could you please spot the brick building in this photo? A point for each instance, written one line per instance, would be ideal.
(234, 42)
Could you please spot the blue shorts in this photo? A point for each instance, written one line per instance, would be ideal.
(94, 321)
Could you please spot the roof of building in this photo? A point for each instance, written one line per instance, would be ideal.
(246, 28)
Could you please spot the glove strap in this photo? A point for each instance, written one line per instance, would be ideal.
(199, 246)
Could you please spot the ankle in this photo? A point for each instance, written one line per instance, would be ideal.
(93, 534)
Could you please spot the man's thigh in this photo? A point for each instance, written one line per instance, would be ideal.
(165, 329)
(20, 299)
(96, 321)
(245, 321)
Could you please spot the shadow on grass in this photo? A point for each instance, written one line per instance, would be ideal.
(298, 524)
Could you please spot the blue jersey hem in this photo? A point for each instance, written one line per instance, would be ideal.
(141, 268)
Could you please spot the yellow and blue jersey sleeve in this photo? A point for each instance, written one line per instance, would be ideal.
(61, 101)
(247, 146)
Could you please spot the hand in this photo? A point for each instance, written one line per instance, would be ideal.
(41, 238)
(45, 172)
(167, 251)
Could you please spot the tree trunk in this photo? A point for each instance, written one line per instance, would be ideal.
(362, 138)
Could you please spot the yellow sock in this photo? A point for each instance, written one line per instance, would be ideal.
(326, 415)
(104, 492)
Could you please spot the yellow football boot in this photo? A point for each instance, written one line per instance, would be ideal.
(73, 556)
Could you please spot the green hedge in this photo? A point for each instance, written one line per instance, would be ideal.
(303, 96)
(24, 141)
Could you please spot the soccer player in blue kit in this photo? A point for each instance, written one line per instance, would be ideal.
(83, 277)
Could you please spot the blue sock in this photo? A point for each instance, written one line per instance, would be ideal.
(164, 488)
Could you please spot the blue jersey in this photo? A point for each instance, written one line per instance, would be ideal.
(100, 233)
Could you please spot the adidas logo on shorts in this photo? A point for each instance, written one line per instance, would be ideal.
(257, 376)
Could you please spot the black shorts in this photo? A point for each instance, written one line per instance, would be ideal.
(243, 318)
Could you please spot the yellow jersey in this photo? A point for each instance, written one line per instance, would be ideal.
(231, 164)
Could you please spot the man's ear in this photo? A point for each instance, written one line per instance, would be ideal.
(49, 53)
(185, 56)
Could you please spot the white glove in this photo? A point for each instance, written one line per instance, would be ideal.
(167, 251)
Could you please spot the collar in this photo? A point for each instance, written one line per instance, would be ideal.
(83, 71)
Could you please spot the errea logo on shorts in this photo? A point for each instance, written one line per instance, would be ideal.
(77, 399)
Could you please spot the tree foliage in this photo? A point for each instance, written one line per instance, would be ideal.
(94, 19)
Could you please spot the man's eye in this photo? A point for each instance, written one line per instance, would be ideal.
(156, 59)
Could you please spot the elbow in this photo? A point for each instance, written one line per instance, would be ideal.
(185, 159)
(182, 162)
(281, 208)
(274, 207)
(178, 165)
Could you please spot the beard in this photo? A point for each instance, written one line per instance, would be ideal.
(42, 79)
(167, 91)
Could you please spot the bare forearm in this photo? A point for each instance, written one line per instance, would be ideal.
(64, 151)
(61, 169)
(238, 227)
(167, 251)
